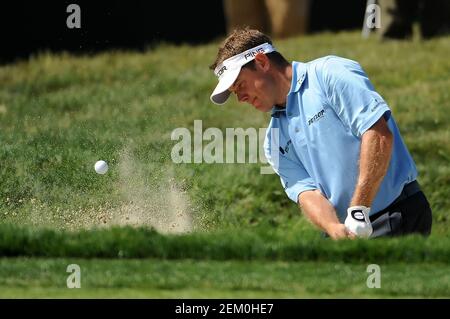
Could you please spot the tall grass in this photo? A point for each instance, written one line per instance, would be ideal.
(250, 245)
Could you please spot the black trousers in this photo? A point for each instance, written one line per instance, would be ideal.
(410, 213)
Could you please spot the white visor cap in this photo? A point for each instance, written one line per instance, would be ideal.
(228, 71)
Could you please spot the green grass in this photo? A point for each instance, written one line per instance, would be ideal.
(151, 278)
(238, 245)
(59, 114)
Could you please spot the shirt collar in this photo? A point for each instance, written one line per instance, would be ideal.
(298, 77)
(276, 110)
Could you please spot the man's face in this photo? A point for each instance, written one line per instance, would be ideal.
(256, 87)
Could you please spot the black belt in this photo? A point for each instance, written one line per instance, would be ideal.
(408, 190)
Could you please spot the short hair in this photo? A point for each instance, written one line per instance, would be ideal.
(244, 39)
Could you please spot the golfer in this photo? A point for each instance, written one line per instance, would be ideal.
(332, 138)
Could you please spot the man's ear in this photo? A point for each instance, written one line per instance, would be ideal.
(262, 61)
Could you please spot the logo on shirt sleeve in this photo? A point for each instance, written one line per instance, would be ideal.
(377, 104)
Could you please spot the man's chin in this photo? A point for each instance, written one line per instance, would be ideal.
(262, 108)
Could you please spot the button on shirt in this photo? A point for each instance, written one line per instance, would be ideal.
(314, 142)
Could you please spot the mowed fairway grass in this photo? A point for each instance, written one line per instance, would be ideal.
(60, 113)
(151, 278)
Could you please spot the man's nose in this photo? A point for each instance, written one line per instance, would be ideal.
(241, 96)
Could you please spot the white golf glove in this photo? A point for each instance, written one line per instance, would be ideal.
(358, 221)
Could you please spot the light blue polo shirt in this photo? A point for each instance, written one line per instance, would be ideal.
(317, 137)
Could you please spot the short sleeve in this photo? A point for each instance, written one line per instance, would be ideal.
(294, 177)
(352, 95)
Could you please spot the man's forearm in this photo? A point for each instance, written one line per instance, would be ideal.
(318, 210)
(375, 154)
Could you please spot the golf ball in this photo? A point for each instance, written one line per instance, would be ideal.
(101, 167)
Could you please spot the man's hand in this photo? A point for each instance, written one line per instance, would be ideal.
(358, 222)
(339, 231)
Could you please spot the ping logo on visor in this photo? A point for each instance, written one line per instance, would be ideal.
(228, 71)
(240, 59)
(253, 53)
